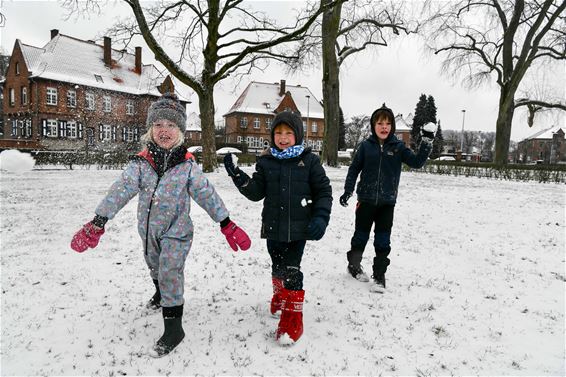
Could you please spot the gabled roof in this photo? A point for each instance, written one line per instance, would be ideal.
(401, 124)
(76, 61)
(545, 134)
(264, 98)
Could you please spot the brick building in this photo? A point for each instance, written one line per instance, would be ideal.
(249, 119)
(403, 128)
(77, 95)
(547, 146)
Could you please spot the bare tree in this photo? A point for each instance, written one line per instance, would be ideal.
(357, 130)
(212, 40)
(500, 40)
(345, 30)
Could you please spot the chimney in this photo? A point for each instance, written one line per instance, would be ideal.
(107, 51)
(54, 33)
(138, 60)
(282, 88)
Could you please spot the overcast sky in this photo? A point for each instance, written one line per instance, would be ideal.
(396, 75)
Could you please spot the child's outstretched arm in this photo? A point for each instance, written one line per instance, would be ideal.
(252, 188)
(119, 194)
(418, 160)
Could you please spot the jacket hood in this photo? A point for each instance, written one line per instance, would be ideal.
(375, 115)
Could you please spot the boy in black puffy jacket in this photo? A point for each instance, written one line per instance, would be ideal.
(297, 200)
(379, 159)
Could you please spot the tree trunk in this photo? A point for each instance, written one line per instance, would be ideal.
(503, 126)
(331, 84)
(206, 108)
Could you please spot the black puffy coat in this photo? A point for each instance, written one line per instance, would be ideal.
(294, 191)
(380, 168)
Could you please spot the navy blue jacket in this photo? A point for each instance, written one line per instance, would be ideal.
(380, 168)
(295, 190)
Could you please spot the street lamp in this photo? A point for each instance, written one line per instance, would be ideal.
(308, 109)
(462, 141)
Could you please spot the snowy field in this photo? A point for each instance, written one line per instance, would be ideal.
(476, 286)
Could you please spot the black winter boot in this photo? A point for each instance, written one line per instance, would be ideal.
(173, 334)
(380, 264)
(154, 303)
(355, 265)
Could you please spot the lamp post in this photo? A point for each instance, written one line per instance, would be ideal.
(462, 141)
(308, 109)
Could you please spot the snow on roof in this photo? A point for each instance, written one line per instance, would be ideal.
(544, 134)
(264, 98)
(401, 124)
(76, 61)
(193, 122)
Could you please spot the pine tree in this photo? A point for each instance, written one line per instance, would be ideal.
(418, 121)
(341, 131)
(430, 110)
(438, 143)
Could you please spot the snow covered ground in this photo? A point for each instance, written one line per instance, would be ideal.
(476, 286)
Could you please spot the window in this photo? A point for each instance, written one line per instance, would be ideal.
(72, 129)
(314, 127)
(89, 101)
(244, 122)
(256, 122)
(24, 95)
(304, 126)
(17, 68)
(240, 139)
(51, 128)
(27, 128)
(107, 107)
(14, 132)
(12, 97)
(106, 132)
(268, 123)
(71, 98)
(130, 107)
(129, 134)
(52, 96)
(98, 78)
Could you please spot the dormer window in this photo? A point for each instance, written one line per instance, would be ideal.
(98, 78)
(17, 68)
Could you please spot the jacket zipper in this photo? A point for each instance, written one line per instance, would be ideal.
(289, 212)
(379, 173)
(149, 214)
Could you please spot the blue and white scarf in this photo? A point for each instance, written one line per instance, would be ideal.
(290, 152)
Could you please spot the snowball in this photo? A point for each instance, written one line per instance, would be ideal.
(305, 202)
(15, 161)
(234, 159)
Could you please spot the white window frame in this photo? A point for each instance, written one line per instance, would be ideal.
(107, 104)
(256, 123)
(12, 97)
(129, 107)
(17, 68)
(72, 129)
(14, 131)
(51, 96)
(129, 133)
(27, 128)
(314, 127)
(304, 127)
(24, 95)
(71, 98)
(51, 129)
(244, 122)
(239, 139)
(89, 101)
(106, 132)
(268, 123)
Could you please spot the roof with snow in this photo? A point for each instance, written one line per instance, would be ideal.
(75, 61)
(193, 122)
(264, 98)
(545, 134)
(401, 124)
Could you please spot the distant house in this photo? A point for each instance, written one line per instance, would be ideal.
(73, 94)
(193, 134)
(249, 119)
(547, 146)
(403, 128)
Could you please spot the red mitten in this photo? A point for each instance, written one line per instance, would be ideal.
(88, 236)
(236, 237)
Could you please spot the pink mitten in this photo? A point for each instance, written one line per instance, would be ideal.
(236, 237)
(87, 236)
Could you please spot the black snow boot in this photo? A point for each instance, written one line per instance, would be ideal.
(154, 303)
(378, 284)
(355, 265)
(380, 264)
(173, 334)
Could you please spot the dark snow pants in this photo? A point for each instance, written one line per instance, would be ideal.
(368, 214)
(286, 262)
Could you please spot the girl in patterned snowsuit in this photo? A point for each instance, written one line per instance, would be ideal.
(166, 177)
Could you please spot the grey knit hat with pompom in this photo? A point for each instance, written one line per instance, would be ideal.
(167, 107)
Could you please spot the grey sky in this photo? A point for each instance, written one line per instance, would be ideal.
(396, 75)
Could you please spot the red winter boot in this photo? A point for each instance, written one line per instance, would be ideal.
(276, 299)
(291, 322)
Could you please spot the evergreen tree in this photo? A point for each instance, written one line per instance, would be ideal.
(418, 121)
(341, 131)
(438, 143)
(430, 110)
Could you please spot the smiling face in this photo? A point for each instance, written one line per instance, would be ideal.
(165, 133)
(283, 136)
(382, 127)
